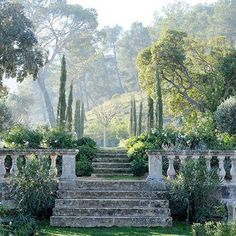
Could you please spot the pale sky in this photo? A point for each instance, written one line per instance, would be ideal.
(125, 12)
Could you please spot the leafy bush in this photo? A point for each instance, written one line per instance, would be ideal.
(33, 189)
(139, 167)
(214, 229)
(57, 138)
(86, 151)
(194, 188)
(84, 167)
(225, 116)
(86, 141)
(22, 137)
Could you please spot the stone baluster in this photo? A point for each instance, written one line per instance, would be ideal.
(14, 168)
(2, 168)
(233, 168)
(68, 167)
(171, 170)
(155, 178)
(208, 162)
(195, 157)
(182, 159)
(53, 167)
(221, 171)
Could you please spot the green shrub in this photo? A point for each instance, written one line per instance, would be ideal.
(214, 229)
(139, 167)
(86, 151)
(195, 189)
(22, 137)
(33, 189)
(83, 167)
(86, 141)
(57, 138)
(225, 116)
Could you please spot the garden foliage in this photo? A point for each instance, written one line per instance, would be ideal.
(194, 190)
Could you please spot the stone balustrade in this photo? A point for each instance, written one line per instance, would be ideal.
(68, 161)
(155, 163)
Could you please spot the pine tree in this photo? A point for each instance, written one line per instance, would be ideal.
(61, 107)
(77, 119)
(150, 115)
(140, 118)
(159, 103)
(69, 109)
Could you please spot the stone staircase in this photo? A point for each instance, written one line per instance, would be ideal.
(110, 163)
(107, 203)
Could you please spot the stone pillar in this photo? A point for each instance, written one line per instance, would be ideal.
(68, 167)
(155, 178)
(53, 167)
(208, 162)
(2, 168)
(221, 171)
(182, 159)
(233, 169)
(14, 168)
(171, 170)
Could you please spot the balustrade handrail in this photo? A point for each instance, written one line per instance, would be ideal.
(68, 161)
(155, 162)
(48, 151)
(192, 152)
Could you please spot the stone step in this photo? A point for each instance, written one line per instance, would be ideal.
(112, 155)
(119, 185)
(76, 221)
(111, 170)
(111, 194)
(110, 175)
(111, 203)
(111, 159)
(111, 212)
(111, 165)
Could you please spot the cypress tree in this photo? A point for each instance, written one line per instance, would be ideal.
(140, 118)
(61, 107)
(159, 103)
(131, 118)
(69, 109)
(77, 119)
(134, 118)
(82, 118)
(150, 115)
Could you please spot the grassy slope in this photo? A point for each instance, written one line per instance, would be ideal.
(177, 229)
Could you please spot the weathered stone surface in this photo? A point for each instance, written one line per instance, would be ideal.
(95, 194)
(111, 165)
(106, 203)
(73, 221)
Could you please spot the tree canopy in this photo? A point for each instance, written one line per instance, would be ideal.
(191, 70)
(19, 53)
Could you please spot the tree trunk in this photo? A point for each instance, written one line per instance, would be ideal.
(47, 100)
(117, 70)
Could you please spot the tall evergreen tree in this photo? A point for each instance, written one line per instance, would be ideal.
(69, 109)
(159, 102)
(77, 119)
(150, 115)
(82, 119)
(134, 118)
(131, 118)
(140, 118)
(61, 107)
